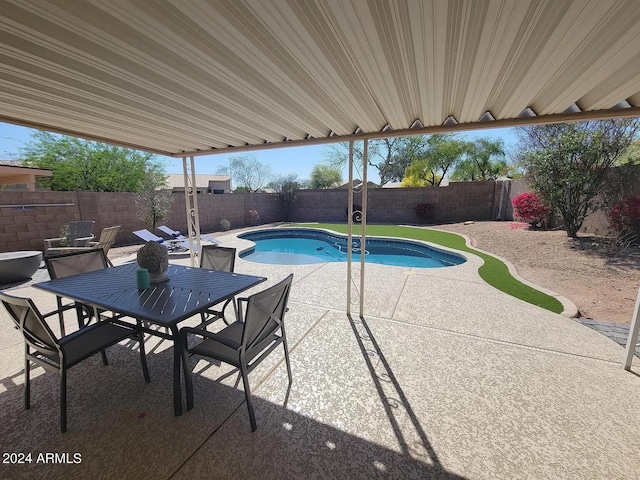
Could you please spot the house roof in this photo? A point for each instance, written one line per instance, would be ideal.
(202, 180)
(205, 77)
(9, 169)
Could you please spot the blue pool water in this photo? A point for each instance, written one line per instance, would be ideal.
(301, 247)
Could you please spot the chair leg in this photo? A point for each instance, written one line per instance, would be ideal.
(60, 316)
(286, 356)
(103, 354)
(27, 379)
(247, 394)
(63, 399)
(143, 355)
(188, 381)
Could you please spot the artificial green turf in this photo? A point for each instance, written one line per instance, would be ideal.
(494, 271)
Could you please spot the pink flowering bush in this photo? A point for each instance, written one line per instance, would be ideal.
(625, 214)
(529, 208)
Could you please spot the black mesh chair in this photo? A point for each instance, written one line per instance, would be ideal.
(222, 259)
(244, 344)
(43, 348)
(61, 266)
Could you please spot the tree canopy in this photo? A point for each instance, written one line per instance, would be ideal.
(287, 187)
(325, 176)
(484, 160)
(248, 173)
(432, 157)
(79, 164)
(387, 155)
(569, 163)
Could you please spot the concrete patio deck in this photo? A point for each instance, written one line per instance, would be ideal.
(444, 377)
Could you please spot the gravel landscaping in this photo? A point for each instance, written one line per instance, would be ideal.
(603, 287)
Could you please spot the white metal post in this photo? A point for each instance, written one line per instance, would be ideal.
(363, 224)
(633, 335)
(191, 201)
(349, 226)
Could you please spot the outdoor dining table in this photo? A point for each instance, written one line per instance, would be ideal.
(188, 292)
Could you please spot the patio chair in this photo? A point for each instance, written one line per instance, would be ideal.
(62, 266)
(244, 344)
(43, 348)
(105, 242)
(175, 234)
(147, 236)
(223, 259)
(177, 245)
(79, 235)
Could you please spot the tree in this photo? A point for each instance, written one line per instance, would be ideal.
(432, 158)
(287, 187)
(569, 163)
(325, 176)
(154, 201)
(387, 155)
(248, 172)
(484, 160)
(85, 165)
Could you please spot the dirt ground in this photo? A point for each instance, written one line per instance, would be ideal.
(603, 287)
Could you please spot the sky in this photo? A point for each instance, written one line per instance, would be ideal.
(282, 161)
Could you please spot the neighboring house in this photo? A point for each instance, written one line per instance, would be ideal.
(16, 177)
(212, 184)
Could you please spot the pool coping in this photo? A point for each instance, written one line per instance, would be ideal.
(436, 247)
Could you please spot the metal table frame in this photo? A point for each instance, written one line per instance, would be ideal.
(188, 292)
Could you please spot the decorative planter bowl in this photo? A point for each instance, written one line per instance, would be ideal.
(19, 266)
(155, 258)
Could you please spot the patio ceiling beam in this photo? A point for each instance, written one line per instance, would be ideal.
(406, 132)
(386, 132)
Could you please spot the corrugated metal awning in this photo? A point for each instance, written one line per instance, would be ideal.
(202, 77)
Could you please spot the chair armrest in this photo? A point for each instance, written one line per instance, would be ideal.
(196, 331)
(216, 337)
(53, 242)
(62, 250)
(82, 241)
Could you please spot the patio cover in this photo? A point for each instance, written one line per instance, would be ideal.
(191, 78)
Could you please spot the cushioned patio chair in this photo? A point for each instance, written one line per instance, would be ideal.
(147, 236)
(105, 242)
(244, 344)
(171, 245)
(44, 349)
(62, 266)
(79, 234)
(175, 234)
(223, 259)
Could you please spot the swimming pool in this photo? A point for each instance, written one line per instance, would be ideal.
(305, 246)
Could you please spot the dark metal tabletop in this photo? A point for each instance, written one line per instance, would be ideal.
(188, 291)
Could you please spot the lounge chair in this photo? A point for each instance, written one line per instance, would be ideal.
(175, 234)
(79, 236)
(106, 240)
(171, 245)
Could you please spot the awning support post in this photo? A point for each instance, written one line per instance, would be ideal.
(349, 226)
(633, 335)
(191, 200)
(363, 223)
